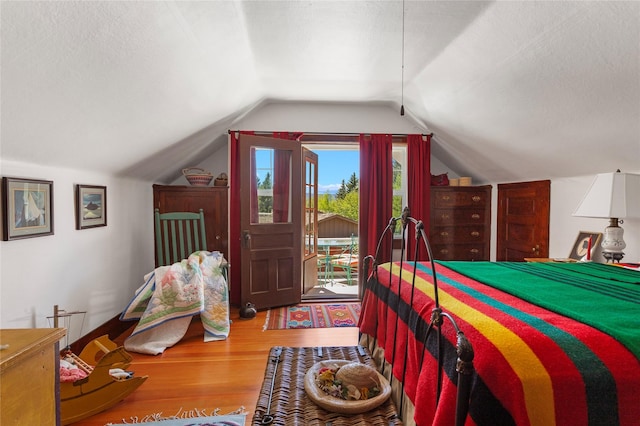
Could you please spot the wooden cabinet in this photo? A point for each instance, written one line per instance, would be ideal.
(30, 376)
(460, 227)
(211, 199)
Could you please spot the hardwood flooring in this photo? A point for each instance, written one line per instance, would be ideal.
(225, 375)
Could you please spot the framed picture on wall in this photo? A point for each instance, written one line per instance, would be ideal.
(584, 242)
(91, 206)
(27, 208)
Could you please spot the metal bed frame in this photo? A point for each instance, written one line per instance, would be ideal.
(464, 349)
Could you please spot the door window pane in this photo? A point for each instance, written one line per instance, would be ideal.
(309, 208)
(271, 196)
(399, 159)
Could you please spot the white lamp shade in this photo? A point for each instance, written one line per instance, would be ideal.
(611, 195)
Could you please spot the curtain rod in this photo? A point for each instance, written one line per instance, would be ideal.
(329, 133)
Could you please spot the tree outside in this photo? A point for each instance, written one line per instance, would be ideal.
(345, 202)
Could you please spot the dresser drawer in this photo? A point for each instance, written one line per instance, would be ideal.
(457, 234)
(460, 222)
(448, 217)
(459, 252)
(448, 199)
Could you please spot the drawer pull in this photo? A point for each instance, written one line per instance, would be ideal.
(444, 234)
(446, 197)
(474, 251)
(444, 251)
(476, 198)
(475, 234)
(445, 216)
(475, 216)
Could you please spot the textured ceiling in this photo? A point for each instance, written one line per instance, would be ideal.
(511, 90)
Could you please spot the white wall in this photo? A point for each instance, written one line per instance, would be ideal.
(566, 194)
(314, 117)
(214, 164)
(328, 117)
(95, 270)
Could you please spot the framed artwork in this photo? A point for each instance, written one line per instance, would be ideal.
(91, 206)
(582, 245)
(27, 208)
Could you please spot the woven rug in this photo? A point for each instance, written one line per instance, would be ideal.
(323, 315)
(283, 397)
(194, 417)
(233, 420)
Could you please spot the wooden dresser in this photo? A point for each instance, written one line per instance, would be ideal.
(460, 227)
(211, 199)
(30, 376)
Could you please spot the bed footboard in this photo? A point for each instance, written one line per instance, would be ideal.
(405, 318)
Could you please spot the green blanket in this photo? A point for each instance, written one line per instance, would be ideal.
(605, 297)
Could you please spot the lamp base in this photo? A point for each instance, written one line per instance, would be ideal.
(613, 242)
(613, 256)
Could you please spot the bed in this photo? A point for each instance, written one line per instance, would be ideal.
(551, 343)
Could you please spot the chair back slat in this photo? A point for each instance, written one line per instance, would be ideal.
(178, 234)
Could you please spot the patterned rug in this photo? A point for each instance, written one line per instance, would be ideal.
(323, 315)
(195, 417)
(233, 420)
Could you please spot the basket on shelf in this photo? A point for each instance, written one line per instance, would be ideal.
(197, 176)
(221, 180)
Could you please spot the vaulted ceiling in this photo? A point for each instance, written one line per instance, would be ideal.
(510, 89)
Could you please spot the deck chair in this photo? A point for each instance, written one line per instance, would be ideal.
(347, 260)
(178, 234)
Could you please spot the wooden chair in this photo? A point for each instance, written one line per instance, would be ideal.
(178, 234)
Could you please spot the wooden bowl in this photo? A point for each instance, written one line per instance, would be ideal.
(338, 405)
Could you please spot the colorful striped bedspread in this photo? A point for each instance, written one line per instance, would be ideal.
(555, 344)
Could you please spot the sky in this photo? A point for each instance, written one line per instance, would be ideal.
(334, 167)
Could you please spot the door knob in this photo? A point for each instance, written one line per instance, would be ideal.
(246, 239)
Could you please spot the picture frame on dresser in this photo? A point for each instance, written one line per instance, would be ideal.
(27, 208)
(91, 206)
(581, 245)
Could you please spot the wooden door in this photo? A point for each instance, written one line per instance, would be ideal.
(211, 199)
(310, 230)
(270, 221)
(523, 220)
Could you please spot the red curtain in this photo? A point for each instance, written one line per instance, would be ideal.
(376, 192)
(419, 185)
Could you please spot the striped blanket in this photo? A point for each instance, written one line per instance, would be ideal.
(555, 344)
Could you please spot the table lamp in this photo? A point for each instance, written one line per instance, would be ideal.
(613, 196)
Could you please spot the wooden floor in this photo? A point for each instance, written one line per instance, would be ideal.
(225, 375)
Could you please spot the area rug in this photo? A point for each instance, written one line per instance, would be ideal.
(322, 315)
(189, 418)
